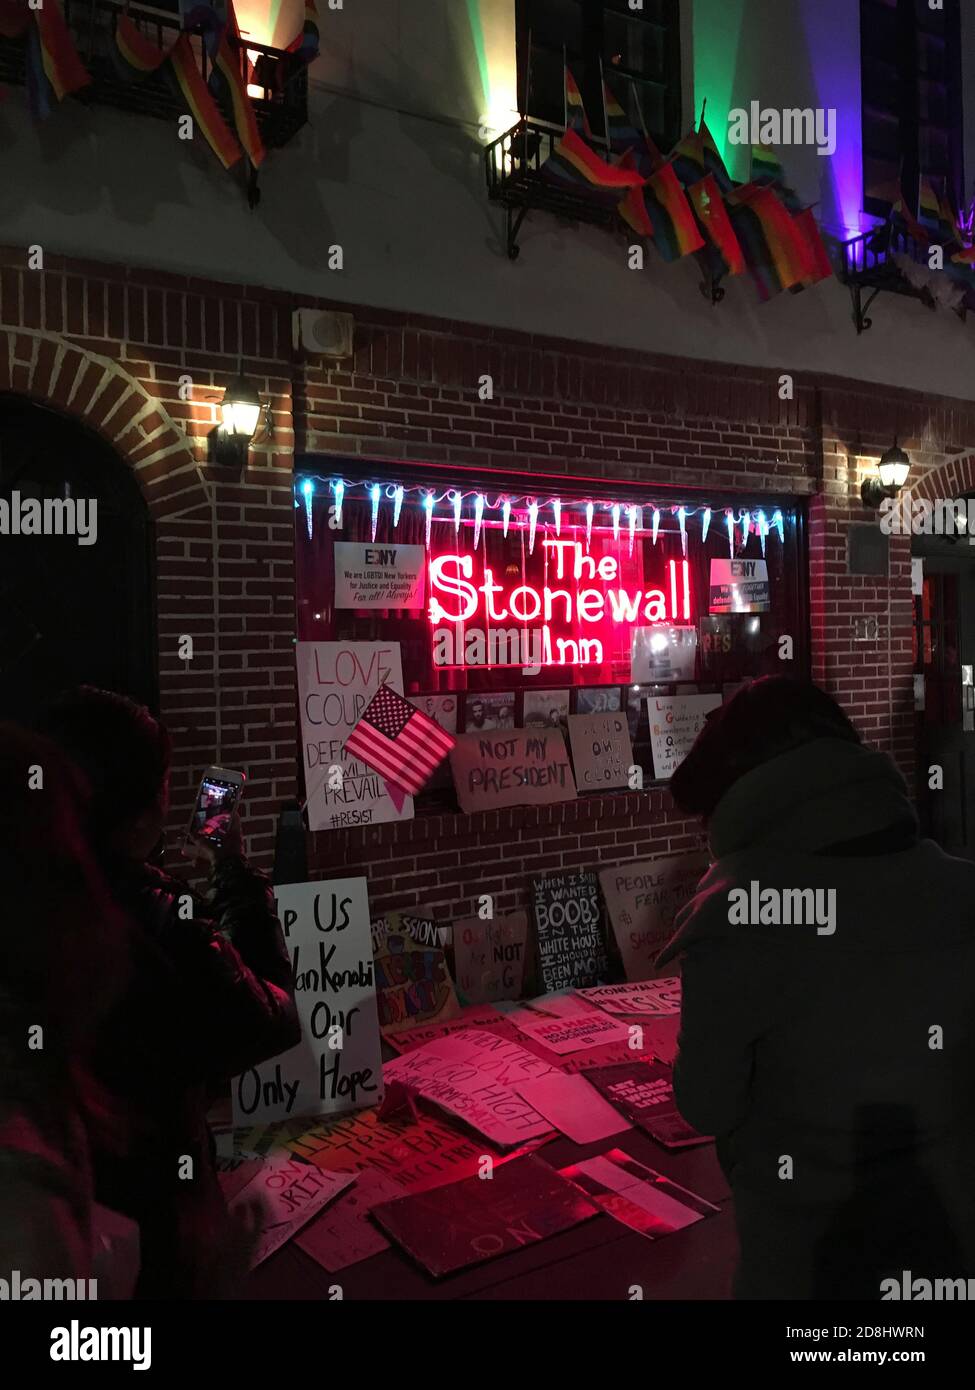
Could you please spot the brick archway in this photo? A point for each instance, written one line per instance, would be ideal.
(947, 480)
(100, 393)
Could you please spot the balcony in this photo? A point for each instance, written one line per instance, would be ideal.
(513, 163)
(868, 263)
(281, 109)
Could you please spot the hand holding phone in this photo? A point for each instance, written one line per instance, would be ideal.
(214, 826)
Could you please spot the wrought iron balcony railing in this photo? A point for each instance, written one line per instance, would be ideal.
(513, 164)
(281, 107)
(868, 263)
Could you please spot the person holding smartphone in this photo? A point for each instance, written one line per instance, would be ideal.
(210, 992)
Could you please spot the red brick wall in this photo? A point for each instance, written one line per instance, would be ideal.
(110, 344)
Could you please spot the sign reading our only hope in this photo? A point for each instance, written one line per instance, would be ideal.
(337, 1065)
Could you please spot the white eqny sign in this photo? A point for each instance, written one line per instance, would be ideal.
(336, 680)
(378, 576)
(337, 1065)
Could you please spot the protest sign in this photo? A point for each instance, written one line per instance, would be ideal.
(642, 900)
(574, 1034)
(467, 1222)
(644, 1093)
(343, 1235)
(414, 1151)
(413, 984)
(521, 768)
(602, 754)
(489, 957)
(336, 681)
(637, 1196)
(661, 996)
(738, 586)
(337, 1065)
(569, 929)
(379, 576)
(471, 1073)
(675, 722)
(290, 1192)
(574, 1107)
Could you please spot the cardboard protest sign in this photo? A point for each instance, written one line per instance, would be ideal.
(661, 996)
(290, 1193)
(573, 1034)
(471, 1073)
(644, 1093)
(602, 753)
(521, 768)
(336, 681)
(337, 1065)
(642, 900)
(468, 1222)
(569, 929)
(675, 722)
(489, 957)
(413, 1151)
(471, 1016)
(413, 984)
(739, 586)
(574, 1107)
(343, 1235)
(639, 1197)
(379, 576)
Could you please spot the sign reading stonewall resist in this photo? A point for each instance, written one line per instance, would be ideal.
(337, 1065)
(336, 680)
(568, 922)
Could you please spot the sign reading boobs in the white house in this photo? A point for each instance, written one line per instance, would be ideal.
(336, 680)
(337, 1065)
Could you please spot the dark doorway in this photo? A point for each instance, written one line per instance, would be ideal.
(944, 663)
(72, 613)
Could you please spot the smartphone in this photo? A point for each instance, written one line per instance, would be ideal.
(216, 801)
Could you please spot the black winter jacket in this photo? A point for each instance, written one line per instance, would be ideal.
(210, 994)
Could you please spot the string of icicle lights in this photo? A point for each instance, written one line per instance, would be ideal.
(622, 516)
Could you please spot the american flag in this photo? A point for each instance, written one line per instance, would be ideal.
(397, 741)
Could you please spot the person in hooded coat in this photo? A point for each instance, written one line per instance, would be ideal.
(833, 1056)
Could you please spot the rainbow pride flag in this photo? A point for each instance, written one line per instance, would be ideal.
(575, 111)
(54, 69)
(575, 164)
(767, 172)
(902, 219)
(773, 248)
(659, 209)
(134, 55)
(202, 106)
(712, 217)
(227, 81)
(305, 45)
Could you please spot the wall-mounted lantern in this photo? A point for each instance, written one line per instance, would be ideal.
(892, 473)
(242, 411)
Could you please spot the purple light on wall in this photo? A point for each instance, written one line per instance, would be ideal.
(832, 29)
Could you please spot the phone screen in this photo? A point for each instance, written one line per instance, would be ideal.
(214, 807)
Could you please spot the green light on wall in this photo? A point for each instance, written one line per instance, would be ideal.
(717, 39)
